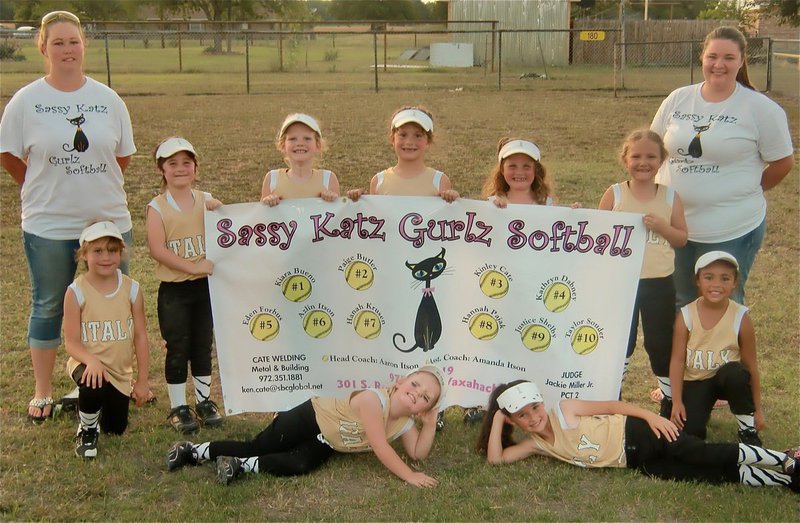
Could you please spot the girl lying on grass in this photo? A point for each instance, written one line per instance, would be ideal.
(619, 434)
(300, 440)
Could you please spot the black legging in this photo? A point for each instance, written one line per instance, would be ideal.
(287, 447)
(731, 382)
(184, 318)
(688, 458)
(111, 403)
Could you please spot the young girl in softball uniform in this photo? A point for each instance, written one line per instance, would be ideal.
(714, 353)
(519, 176)
(300, 142)
(176, 239)
(593, 434)
(302, 439)
(104, 326)
(411, 134)
(642, 154)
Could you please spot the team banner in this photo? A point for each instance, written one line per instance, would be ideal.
(316, 298)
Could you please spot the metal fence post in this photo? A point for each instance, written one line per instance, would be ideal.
(180, 53)
(500, 60)
(385, 51)
(108, 62)
(247, 59)
(494, 32)
(375, 53)
(616, 50)
(769, 64)
(280, 46)
(691, 63)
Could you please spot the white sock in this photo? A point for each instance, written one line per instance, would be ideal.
(89, 421)
(756, 477)
(201, 451)
(750, 455)
(665, 386)
(249, 464)
(745, 421)
(177, 394)
(202, 388)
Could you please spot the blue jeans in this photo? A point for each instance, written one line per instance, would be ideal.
(51, 267)
(743, 248)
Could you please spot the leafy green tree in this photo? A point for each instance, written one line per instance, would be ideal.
(742, 12)
(395, 10)
(84, 9)
(786, 11)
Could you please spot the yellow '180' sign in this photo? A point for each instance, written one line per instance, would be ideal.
(593, 36)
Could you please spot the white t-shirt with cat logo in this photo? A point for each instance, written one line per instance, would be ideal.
(717, 152)
(71, 141)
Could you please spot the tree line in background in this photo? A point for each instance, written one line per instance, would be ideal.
(787, 11)
(222, 10)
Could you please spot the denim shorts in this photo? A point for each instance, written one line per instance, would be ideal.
(51, 267)
(743, 248)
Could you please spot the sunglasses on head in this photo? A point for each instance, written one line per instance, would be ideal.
(59, 15)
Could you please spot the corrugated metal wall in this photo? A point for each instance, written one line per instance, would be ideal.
(518, 48)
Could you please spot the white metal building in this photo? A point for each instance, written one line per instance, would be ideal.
(518, 48)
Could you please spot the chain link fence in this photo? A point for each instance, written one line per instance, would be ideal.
(785, 67)
(380, 57)
(657, 68)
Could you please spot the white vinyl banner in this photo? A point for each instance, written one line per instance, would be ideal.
(319, 299)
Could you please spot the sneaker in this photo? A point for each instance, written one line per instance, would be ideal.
(180, 454)
(473, 415)
(439, 421)
(86, 443)
(228, 468)
(208, 413)
(183, 419)
(750, 437)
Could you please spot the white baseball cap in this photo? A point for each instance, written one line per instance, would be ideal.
(412, 116)
(172, 146)
(519, 146)
(100, 230)
(515, 398)
(710, 257)
(437, 373)
(304, 119)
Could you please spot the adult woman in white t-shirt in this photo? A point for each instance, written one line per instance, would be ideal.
(66, 140)
(727, 144)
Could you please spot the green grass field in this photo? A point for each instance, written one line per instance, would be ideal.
(579, 133)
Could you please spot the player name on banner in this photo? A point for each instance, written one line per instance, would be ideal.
(315, 298)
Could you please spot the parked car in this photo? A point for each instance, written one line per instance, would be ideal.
(25, 31)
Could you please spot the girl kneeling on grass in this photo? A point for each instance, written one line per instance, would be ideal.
(300, 440)
(104, 324)
(619, 434)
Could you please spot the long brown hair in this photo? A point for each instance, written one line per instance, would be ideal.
(727, 32)
(488, 419)
(496, 185)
